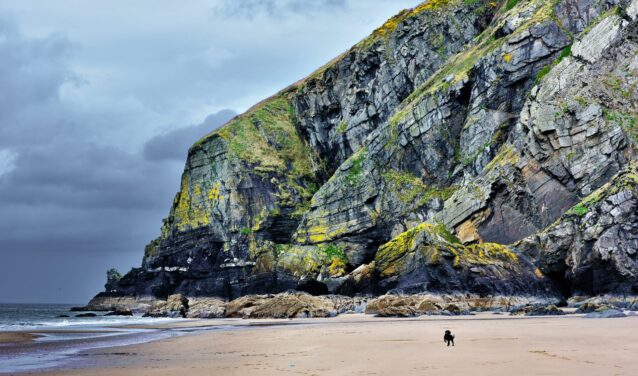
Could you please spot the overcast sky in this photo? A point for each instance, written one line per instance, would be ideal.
(99, 102)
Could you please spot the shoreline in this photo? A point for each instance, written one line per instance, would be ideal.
(556, 344)
(38, 350)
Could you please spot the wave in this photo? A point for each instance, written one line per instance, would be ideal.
(83, 322)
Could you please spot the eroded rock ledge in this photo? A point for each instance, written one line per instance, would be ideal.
(303, 305)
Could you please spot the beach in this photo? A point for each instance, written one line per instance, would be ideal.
(358, 344)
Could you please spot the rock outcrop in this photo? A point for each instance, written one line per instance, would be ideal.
(175, 306)
(206, 308)
(422, 304)
(465, 147)
(592, 248)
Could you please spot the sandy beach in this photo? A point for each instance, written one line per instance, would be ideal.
(486, 344)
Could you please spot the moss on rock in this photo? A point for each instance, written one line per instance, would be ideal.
(302, 262)
(435, 242)
(410, 188)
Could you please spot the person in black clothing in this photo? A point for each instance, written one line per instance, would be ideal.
(448, 338)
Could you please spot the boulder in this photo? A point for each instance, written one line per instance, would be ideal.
(114, 302)
(592, 307)
(124, 312)
(346, 304)
(297, 305)
(175, 306)
(607, 314)
(428, 306)
(243, 306)
(88, 314)
(206, 308)
(394, 305)
(537, 310)
(452, 309)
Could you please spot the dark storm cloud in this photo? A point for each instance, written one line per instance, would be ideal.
(175, 144)
(31, 72)
(93, 112)
(74, 174)
(64, 193)
(275, 8)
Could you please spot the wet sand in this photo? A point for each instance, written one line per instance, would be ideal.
(17, 337)
(21, 338)
(486, 344)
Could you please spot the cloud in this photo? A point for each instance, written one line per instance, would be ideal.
(275, 8)
(174, 145)
(7, 161)
(72, 184)
(31, 73)
(93, 118)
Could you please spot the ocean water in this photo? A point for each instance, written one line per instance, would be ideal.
(27, 317)
(62, 338)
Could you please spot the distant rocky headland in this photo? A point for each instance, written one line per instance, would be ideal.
(467, 155)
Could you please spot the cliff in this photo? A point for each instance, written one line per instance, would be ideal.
(463, 147)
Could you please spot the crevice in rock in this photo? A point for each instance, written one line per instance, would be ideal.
(313, 287)
(562, 283)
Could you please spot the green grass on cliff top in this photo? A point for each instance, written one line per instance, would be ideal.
(383, 32)
(267, 138)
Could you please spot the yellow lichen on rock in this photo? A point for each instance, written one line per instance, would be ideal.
(429, 5)
(507, 155)
(390, 255)
(435, 243)
(337, 268)
(311, 261)
(384, 31)
(484, 254)
(319, 230)
(190, 210)
(507, 57)
(214, 192)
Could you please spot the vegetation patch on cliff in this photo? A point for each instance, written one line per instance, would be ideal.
(626, 180)
(412, 190)
(263, 143)
(383, 32)
(267, 138)
(390, 257)
(507, 155)
(483, 254)
(546, 69)
(326, 260)
(435, 243)
(356, 168)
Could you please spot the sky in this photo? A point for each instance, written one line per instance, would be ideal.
(99, 102)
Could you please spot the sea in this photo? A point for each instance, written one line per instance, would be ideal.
(60, 338)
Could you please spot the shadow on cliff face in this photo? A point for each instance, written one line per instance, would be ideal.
(313, 287)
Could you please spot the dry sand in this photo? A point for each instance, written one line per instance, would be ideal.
(486, 344)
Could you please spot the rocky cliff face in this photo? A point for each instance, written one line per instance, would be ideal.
(464, 147)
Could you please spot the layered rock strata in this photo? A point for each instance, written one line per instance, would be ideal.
(464, 147)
